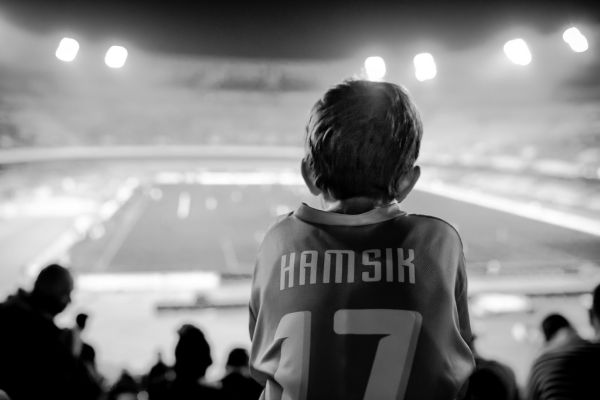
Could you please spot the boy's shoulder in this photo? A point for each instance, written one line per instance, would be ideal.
(280, 222)
(436, 224)
(433, 221)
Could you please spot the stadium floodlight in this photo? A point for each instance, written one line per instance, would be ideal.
(375, 68)
(518, 52)
(425, 68)
(575, 39)
(67, 49)
(115, 57)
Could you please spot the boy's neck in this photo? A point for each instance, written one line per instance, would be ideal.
(355, 205)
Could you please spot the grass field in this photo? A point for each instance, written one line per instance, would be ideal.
(218, 227)
(191, 227)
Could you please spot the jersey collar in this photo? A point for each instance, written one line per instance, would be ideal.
(374, 216)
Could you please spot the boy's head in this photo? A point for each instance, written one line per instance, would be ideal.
(362, 140)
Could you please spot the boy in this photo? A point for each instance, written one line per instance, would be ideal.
(360, 301)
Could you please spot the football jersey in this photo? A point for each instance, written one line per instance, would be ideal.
(367, 306)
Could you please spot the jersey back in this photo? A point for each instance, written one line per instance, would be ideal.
(368, 306)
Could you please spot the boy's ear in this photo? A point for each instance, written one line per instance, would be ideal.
(408, 182)
(309, 178)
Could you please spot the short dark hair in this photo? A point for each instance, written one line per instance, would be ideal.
(361, 139)
(238, 357)
(552, 324)
(192, 352)
(81, 320)
(50, 275)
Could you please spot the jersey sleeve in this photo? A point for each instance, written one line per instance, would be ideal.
(461, 297)
(256, 335)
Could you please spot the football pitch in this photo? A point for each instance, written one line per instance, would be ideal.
(170, 235)
(192, 227)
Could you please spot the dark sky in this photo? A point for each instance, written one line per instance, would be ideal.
(292, 29)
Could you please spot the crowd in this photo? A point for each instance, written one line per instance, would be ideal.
(564, 369)
(40, 360)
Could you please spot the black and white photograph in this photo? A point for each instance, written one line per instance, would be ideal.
(302, 200)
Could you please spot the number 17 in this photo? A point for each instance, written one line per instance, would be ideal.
(393, 359)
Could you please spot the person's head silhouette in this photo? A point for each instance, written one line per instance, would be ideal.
(552, 324)
(192, 354)
(52, 289)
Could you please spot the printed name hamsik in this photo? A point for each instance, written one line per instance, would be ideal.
(367, 266)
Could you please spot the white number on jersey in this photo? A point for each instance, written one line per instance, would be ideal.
(393, 359)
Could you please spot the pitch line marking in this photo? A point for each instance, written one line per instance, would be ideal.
(231, 260)
(117, 241)
(184, 205)
(530, 211)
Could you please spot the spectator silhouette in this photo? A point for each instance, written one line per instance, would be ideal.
(76, 332)
(237, 383)
(569, 371)
(125, 388)
(157, 380)
(81, 350)
(35, 361)
(192, 359)
(558, 332)
(491, 380)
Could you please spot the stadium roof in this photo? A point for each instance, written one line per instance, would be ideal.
(306, 29)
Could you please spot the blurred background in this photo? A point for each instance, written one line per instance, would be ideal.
(149, 146)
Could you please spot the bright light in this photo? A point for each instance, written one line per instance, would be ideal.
(518, 52)
(425, 68)
(375, 68)
(497, 303)
(116, 57)
(576, 40)
(67, 49)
